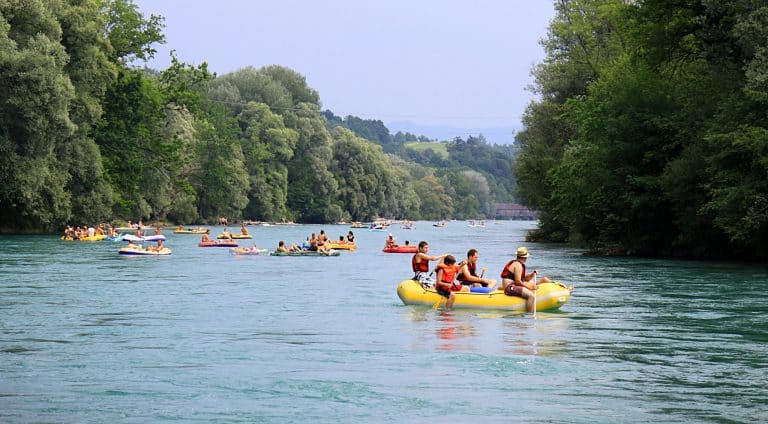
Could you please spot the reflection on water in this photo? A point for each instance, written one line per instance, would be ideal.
(450, 331)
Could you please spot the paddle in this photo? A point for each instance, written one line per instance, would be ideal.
(534, 294)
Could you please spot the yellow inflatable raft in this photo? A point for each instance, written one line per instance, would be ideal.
(549, 296)
(342, 246)
(188, 231)
(97, 237)
(234, 236)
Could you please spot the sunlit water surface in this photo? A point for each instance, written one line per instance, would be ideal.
(87, 335)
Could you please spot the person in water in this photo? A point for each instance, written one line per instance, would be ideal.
(445, 283)
(420, 262)
(468, 272)
(515, 281)
(206, 236)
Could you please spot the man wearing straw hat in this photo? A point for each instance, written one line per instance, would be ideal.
(516, 282)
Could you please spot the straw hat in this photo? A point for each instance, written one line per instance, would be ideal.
(522, 252)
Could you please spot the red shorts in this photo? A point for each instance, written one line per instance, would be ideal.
(443, 289)
(513, 290)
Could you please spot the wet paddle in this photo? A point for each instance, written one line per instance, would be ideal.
(535, 294)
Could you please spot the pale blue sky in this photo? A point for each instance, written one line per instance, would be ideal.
(463, 64)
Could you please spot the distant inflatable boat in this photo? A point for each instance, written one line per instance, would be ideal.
(400, 249)
(248, 251)
(235, 236)
(343, 246)
(144, 252)
(304, 253)
(217, 244)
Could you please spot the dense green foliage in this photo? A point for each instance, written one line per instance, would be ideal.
(650, 137)
(88, 136)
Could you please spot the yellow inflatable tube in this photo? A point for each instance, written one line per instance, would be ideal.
(549, 296)
(97, 237)
(341, 246)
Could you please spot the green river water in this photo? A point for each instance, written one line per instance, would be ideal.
(87, 335)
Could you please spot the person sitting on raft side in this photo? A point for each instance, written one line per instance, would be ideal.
(350, 237)
(281, 247)
(156, 248)
(468, 272)
(341, 240)
(390, 242)
(322, 243)
(420, 262)
(516, 282)
(206, 237)
(445, 283)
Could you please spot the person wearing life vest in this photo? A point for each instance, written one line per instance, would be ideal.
(468, 272)
(420, 262)
(445, 284)
(516, 282)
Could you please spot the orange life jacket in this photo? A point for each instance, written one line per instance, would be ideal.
(449, 273)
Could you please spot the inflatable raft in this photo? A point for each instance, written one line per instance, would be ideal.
(235, 236)
(188, 231)
(217, 244)
(304, 253)
(97, 237)
(248, 251)
(144, 252)
(346, 246)
(400, 249)
(549, 296)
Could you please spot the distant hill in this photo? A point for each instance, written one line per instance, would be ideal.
(494, 135)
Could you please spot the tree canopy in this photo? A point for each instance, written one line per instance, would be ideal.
(649, 138)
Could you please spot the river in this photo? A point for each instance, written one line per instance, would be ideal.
(87, 335)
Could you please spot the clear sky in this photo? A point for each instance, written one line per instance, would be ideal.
(457, 63)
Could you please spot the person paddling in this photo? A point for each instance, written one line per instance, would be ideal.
(516, 282)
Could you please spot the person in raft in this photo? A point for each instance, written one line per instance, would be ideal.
(227, 234)
(420, 262)
(206, 236)
(243, 230)
(156, 248)
(350, 237)
(390, 242)
(516, 282)
(445, 284)
(281, 247)
(468, 272)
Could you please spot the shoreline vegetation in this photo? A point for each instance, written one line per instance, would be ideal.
(650, 135)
